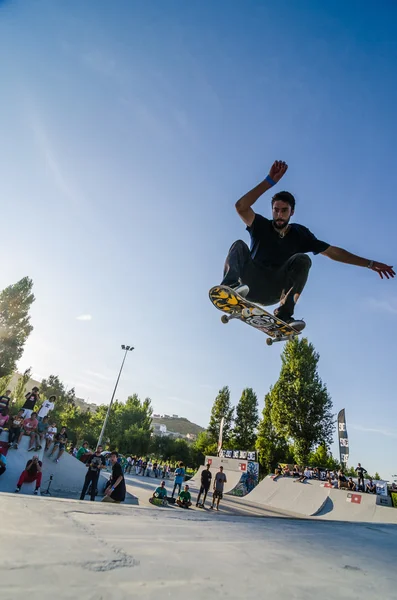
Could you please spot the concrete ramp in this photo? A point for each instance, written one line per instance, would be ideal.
(16, 462)
(351, 506)
(290, 495)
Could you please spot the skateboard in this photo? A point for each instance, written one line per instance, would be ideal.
(158, 501)
(236, 307)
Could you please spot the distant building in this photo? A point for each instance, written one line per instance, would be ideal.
(191, 437)
(175, 417)
(156, 416)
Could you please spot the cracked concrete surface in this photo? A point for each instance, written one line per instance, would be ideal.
(71, 549)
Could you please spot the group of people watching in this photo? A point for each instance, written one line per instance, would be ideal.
(33, 421)
(335, 478)
(184, 499)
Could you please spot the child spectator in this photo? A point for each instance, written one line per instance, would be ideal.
(15, 429)
(4, 418)
(42, 429)
(60, 440)
(46, 407)
(49, 436)
(179, 478)
(29, 428)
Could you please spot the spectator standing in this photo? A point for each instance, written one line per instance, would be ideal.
(60, 441)
(95, 463)
(5, 401)
(179, 478)
(42, 429)
(129, 465)
(15, 429)
(370, 488)
(143, 467)
(84, 449)
(31, 399)
(149, 468)
(155, 470)
(115, 490)
(46, 408)
(206, 477)
(31, 473)
(4, 418)
(49, 436)
(360, 475)
(29, 428)
(220, 480)
(184, 499)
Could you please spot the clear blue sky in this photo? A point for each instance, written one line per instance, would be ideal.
(128, 132)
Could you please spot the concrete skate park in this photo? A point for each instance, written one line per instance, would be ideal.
(284, 539)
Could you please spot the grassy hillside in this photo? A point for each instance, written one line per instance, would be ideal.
(179, 424)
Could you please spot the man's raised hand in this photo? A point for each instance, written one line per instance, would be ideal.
(383, 270)
(278, 169)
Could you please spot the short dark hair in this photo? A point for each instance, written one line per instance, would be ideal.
(284, 197)
(114, 453)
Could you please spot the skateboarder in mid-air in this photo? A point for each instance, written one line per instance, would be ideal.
(276, 267)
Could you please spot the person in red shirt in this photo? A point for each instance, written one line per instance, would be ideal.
(29, 428)
(31, 473)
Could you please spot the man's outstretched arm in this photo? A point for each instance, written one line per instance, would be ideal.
(348, 258)
(243, 206)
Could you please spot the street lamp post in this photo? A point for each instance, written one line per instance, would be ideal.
(126, 349)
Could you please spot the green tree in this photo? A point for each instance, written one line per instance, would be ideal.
(20, 388)
(15, 327)
(5, 383)
(322, 457)
(65, 398)
(204, 446)
(221, 409)
(272, 447)
(377, 477)
(246, 422)
(301, 408)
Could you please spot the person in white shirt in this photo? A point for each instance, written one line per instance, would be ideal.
(46, 407)
(49, 436)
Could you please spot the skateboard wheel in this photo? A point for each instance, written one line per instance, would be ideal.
(269, 341)
(225, 319)
(246, 312)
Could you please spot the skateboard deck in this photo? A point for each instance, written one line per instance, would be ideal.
(158, 501)
(236, 307)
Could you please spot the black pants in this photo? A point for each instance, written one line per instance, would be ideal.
(360, 480)
(267, 284)
(13, 434)
(203, 490)
(90, 477)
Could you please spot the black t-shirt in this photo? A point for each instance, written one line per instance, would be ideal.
(206, 477)
(30, 401)
(119, 492)
(360, 471)
(62, 438)
(33, 467)
(268, 249)
(95, 462)
(4, 402)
